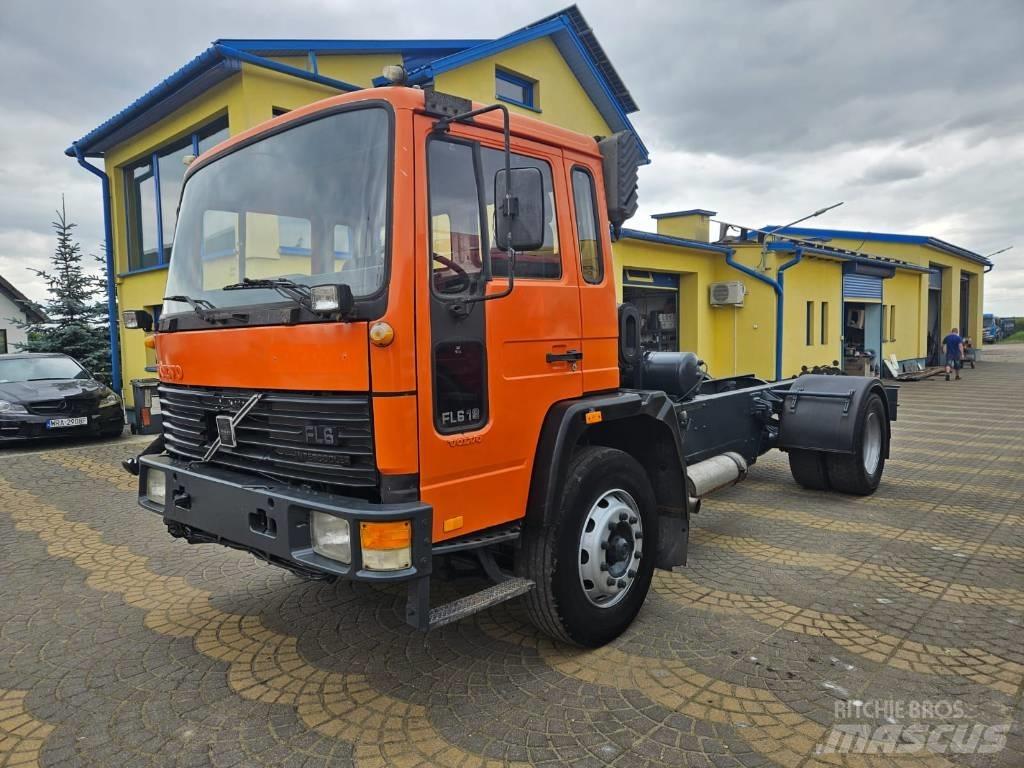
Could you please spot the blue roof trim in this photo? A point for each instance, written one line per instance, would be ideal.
(691, 212)
(167, 94)
(679, 242)
(884, 237)
(282, 47)
(573, 51)
(784, 246)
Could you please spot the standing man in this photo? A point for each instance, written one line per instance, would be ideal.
(954, 352)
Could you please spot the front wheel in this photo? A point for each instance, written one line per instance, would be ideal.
(593, 565)
(860, 473)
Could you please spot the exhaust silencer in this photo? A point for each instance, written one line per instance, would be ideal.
(714, 474)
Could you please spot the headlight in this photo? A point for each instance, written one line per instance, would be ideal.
(8, 407)
(109, 400)
(332, 537)
(386, 546)
(156, 485)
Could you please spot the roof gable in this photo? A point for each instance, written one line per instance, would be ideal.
(422, 59)
(32, 311)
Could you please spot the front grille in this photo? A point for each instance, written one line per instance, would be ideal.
(64, 407)
(300, 437)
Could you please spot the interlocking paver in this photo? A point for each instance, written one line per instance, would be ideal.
(121, 646)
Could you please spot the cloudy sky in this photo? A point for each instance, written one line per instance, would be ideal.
(909, 111)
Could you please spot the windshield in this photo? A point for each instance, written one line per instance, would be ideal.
(308, 204)
(38, 368)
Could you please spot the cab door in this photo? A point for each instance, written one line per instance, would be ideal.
(488, 370)
(591, 240)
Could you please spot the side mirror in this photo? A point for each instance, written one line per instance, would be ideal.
(621, 158)
(519, 221)
(137, 318)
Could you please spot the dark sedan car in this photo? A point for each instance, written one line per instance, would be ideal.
(51, 395)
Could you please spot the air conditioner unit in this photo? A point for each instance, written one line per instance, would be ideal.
(730, 293)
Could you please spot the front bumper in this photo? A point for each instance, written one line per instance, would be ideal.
(15, 427)
(272, 519)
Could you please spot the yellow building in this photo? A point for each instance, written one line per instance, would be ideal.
(744, 306)
(915, 315)
(554, 70)
(772, 308)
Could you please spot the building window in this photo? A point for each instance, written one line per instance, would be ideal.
(810, 324)
(892, 322)
(3, 341)
(885, 323)
(824, 322)
(152, 188)
(587, 229)
(515, 89)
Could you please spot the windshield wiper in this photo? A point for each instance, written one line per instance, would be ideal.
(199, 306)
(297, 292)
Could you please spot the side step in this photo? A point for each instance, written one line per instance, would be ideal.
(478, 601)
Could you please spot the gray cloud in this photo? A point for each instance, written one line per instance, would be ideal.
(890, 171)
(912, 111)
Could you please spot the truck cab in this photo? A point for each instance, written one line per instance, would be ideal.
(390, 336)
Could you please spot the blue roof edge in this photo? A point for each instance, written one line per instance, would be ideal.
(787, 246)
(886, 237)
(552, 26)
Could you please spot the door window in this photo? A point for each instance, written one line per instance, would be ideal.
(587, 233)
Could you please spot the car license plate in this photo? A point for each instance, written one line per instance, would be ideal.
(75, 421)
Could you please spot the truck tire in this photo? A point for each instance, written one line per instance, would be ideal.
(808, 469)
(593, 564)
(860, 472)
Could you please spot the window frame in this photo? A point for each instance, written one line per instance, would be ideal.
(481, 199)
(151, 160)
(529, 88)
(824, 322)
(809, 335)
(585, 171)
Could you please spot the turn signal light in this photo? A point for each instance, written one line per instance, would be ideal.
(149, 342)
(386, 546)
(381, 334)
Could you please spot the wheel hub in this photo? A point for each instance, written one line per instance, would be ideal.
(611, 546)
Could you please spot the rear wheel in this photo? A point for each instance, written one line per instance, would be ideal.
(859, 473)
(593, 566)
(808, 469)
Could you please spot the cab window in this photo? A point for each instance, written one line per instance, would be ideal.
(587, 233)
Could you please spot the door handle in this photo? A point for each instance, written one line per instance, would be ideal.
(571, 356)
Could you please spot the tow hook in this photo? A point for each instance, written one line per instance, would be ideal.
(131, 466)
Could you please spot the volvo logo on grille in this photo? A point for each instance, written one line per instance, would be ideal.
(226, 431)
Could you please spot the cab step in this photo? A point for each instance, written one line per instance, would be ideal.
(479, 601)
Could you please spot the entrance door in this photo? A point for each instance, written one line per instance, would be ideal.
(489, 370)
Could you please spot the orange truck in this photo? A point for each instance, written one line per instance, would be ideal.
(391, 341)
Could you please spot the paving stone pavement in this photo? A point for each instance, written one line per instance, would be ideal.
(120, 646)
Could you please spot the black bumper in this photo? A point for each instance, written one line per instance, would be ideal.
(272, 519)
(30, 426)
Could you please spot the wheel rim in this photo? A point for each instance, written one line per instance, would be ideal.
(611, 545)
(872, 442)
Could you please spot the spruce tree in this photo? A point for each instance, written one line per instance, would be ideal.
(76, 306)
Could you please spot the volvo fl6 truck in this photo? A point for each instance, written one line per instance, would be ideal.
(391, 343)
